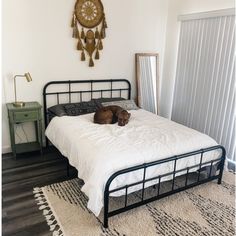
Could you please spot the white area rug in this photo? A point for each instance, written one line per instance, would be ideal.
(205, 210)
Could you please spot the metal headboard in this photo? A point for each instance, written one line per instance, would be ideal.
(123, 83)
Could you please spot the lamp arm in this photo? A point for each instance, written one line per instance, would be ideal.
(15, 84)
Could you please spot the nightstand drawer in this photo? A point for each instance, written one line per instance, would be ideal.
(26, 115)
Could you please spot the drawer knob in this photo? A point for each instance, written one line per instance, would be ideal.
(26, 115)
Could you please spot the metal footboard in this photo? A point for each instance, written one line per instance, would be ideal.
(202, 166)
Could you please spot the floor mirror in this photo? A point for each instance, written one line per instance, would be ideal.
(147, 80)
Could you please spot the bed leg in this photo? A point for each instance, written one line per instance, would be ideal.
(220, 177)
(106, 204)
(105, 223)
(47, 142)
(221, 167)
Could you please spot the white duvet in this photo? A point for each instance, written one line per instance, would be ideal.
(97, 151)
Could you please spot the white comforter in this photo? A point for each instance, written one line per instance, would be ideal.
(97, 151)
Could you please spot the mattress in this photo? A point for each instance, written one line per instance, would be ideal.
(98, 151)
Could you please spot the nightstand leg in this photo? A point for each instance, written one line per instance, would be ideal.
(12, 135)
(36, 130)
(39, 135)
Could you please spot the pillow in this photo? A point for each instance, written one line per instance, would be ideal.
(126, 104)
(81, 108)
(73, 109)
(99, 101)
(57, 110)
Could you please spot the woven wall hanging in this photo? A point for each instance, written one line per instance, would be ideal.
(89, 26)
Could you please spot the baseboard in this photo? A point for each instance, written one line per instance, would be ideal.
(6, 149)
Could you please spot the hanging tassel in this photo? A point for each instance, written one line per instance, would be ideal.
(82, 56)
(91, 64)
(73, 21)
(82, 34)
(79, 45)
(103, 33)
(100, 46)
(75, 32)
(97, 55)
(104, 23)
(97, 35)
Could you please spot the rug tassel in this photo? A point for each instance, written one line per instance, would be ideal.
(46, 212)
(40, 198)
(51, 222)
(43, 207)
(37, 190)
(41, 202)
(52, 227)
(48, 217)
(56, 233)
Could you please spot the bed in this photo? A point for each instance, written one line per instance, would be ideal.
(117, 161)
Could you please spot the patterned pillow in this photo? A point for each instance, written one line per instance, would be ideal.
(126, 104)
(81, 108)
(57, 110)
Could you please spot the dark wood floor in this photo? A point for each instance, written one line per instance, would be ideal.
(20, 214)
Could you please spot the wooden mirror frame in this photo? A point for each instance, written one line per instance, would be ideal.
(138, 73)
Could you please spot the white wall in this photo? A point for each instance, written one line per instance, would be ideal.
(180, 7)
(37, 38)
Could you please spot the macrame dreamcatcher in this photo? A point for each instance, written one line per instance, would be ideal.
(89, 25)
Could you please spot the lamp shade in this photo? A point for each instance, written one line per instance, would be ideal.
(28, 77)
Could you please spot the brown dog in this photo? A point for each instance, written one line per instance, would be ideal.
(111, 114)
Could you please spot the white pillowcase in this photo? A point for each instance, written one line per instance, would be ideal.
(125, 104)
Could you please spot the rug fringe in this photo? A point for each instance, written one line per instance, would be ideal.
(57, 233)
(47, 212)
(37, 190)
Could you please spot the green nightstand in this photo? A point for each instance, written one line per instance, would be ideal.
(31, 112)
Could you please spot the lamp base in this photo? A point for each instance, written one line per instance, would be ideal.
(18, 104)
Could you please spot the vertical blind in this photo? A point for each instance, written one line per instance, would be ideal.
(204, 96)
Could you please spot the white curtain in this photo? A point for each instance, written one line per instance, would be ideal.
(204, 97)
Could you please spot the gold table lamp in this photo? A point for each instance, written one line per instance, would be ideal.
(28, 78)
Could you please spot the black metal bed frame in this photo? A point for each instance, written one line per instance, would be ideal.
(126, 87)
(211, 175)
